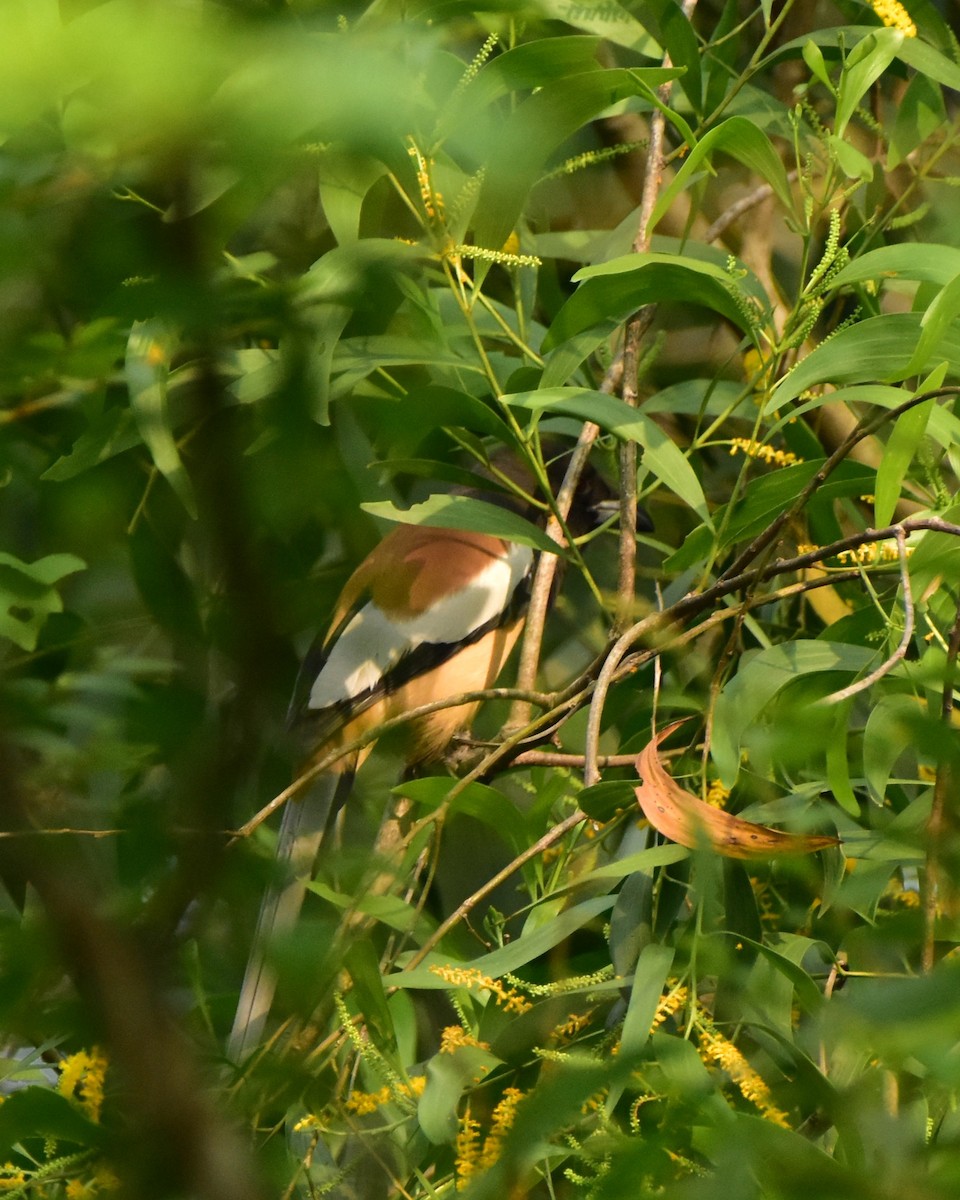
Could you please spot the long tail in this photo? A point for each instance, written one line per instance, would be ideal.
(301, 833)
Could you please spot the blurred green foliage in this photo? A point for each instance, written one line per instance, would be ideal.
(269, 274)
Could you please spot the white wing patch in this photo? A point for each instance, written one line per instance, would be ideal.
(373, 642)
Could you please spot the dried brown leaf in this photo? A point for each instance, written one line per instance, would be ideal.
(689, 821)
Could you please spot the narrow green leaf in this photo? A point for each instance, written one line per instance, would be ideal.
(923, 57)
(518, 953)
(931, 262)
(330, 291)
(902, 444)
(838, 763)
(760, 678)
(890, 731)
(363, 965)
(853, 163)
(476, 800)
(615, 290)
(344, 181)
(661, 456)
(934, 324)
(863, 67)
(878, 348)
(813, 57)
(744, 141)
(643, 860)
(114, 431)
(652, 969)
(535, 128)
(921, 112)
(611, 21)
(649, 981)
(390, 911)
(464, 512)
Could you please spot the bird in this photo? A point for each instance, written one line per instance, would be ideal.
(430, 613)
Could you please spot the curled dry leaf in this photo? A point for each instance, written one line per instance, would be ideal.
(685, 819)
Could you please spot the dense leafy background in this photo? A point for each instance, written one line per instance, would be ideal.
(268, 266)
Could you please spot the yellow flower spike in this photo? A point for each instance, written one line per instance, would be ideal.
(454, 1036)
(467, 1149)
(501, 1122)
(81, 1080)
(470, 977)
(893, 14)
(715, 1048)
(759, 450)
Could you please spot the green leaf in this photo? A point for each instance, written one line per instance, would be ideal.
(928, 61)
(813, 57)
(643, 860)
(649, 981)
(838, 763)
(932, 262)
(28, 595)
(878, 348)
(344, 181)
(476, 800)
(920, 113)
(853, 163)
(611, 21)
(113, 432)
(464, 512)
(330, 291)
(390, 911)
(771, 992)
(890, 731)
(535, 128)
(671, 27)
(521, 68)
(363, 965)
(38, 1112)
(650, 976)
(905, 437)
(760, 678)
(661, 456)
(518, 953)
(934, 323)
(863, 67)
(448, 1077)
(615, 290)
(147, 367)
(767, 496)
(741, 139)
(602, 801)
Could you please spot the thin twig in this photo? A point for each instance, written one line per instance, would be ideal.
(863, 430)
(696, 602)
(463, 910)
(544, 575)
(900, 653)
(742, 206)
(547, 758)
(636, 329)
